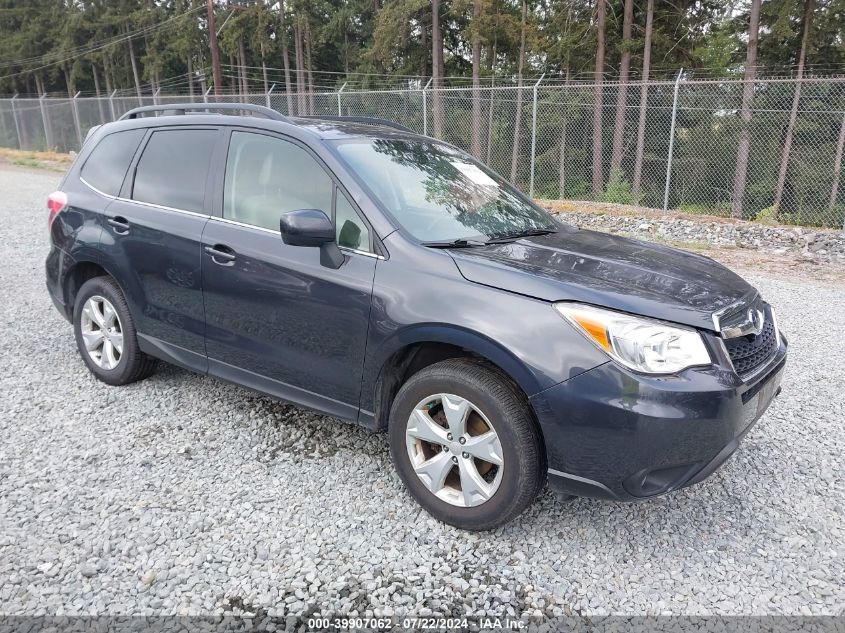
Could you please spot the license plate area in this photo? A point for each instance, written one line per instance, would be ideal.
(764, 390)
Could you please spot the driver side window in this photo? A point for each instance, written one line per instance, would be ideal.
(266, 177)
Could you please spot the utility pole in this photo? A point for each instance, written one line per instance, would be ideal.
(215, 52)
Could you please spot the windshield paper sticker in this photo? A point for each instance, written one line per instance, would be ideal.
(474, 174)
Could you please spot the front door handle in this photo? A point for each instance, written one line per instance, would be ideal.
(119, 224)
(220, 254)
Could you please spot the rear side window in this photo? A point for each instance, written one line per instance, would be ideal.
(173, 169)
(109, 160)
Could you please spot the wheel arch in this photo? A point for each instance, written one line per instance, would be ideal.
(412, 350)
(80, 272)
(89, 267)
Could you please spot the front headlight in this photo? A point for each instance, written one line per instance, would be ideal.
(644, 345)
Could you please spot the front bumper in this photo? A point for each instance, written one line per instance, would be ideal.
(614, 434)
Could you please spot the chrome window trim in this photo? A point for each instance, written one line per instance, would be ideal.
(205, 215)
(95, 190)
(359, 252)
(244, 224)
(141, 202)
(163, 207)
(271, 231)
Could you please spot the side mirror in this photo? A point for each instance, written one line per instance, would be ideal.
(311, 227)
(306, 227)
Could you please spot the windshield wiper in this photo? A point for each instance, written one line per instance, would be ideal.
(499, 239)
(510, 237)
(459, 243)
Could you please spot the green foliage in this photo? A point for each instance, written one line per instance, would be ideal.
(767, 215)
(577, 189)
(618, 190)
(695, 208)
(26, 161)
(60, 47)
(721, 210)
(41, 38)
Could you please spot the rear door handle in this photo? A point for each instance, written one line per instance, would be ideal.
(220, 254)
(119, 224)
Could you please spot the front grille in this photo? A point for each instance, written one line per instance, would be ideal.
(739, 314)
(747, 353)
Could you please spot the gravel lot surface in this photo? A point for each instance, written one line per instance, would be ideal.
(182, 494)
(812, 243)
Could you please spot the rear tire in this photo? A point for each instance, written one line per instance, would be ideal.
(106, 336)
(474, 477)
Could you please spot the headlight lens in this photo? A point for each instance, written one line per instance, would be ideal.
(644, 345)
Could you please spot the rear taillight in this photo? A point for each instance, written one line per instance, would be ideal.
(56, 202)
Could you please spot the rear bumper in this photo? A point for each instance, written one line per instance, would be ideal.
(57, 263)
(613, 434)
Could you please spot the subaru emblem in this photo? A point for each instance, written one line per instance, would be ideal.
(755, 319)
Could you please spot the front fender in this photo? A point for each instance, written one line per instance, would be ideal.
(419, 296)
(464, 338)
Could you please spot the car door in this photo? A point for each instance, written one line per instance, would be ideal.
(276, 318)
(152, 236)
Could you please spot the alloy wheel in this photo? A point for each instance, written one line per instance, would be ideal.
(454, 450)
(102, 332)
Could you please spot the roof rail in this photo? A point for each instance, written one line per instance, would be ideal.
(204, 108)
(369, 120)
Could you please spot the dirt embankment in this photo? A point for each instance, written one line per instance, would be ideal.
(52, 161)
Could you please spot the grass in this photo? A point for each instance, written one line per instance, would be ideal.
(52, 161)
(26, 161)
(596, 208)
(696, 247)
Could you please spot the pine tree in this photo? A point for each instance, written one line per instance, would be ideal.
(793, 113)
(744, 147)
(517, 126)
(622, 89)
(643, 108)
(598, 98)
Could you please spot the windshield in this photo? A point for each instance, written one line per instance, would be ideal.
(438, 193)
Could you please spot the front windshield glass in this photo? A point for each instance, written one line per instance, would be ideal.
(438, 193)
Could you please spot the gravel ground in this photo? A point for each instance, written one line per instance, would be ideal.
(812, 243)
(182, 494)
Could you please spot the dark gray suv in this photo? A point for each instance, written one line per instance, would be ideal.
(389, 279)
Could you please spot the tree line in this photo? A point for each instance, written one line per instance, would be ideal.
(301, 47)
(90, 45)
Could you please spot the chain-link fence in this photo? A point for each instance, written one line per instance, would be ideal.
(663, 144)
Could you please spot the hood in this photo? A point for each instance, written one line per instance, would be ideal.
(611, 271)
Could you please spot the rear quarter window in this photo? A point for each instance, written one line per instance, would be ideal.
(106, 166)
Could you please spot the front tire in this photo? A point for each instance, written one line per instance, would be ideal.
(465, 444)
(106, 336)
